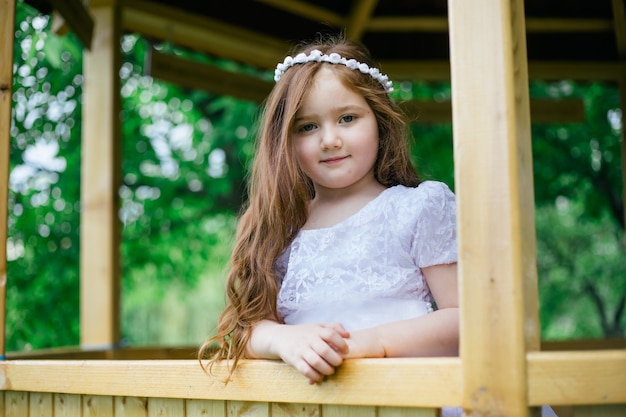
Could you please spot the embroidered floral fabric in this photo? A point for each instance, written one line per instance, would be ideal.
(365, 270)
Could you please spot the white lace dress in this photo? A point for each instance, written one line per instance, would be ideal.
(365, 270)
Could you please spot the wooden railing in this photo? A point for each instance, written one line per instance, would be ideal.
(589, 383)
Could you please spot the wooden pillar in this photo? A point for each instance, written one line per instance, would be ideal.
(494, 187)
(7, 35)
(100, 182)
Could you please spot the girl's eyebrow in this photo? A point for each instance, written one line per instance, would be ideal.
(339, 109)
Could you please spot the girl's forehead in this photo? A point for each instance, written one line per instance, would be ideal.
(328, 83)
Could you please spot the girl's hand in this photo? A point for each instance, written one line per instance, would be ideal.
(315, 350)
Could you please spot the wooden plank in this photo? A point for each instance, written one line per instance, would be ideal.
(541, 111)
(132, 407)
(7, 35)
(359, 17)
(358, 381)
(440, 24)
(408, 412)
(294, 409)
(493, 160)
(619, 26)
(125, 353)
(41, 404)
(16, 404)
(100, 182)
(202, 34)
(544, 70)
(558, 378)
(583, 344)
(166, 407)
(308, 10)
(211, 408)
(331, 410)
(77, 17)
(573, 378)
(196, 75)
(97, 406)
(68, 405)
(247, 409)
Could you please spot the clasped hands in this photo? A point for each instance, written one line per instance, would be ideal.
(316, 350)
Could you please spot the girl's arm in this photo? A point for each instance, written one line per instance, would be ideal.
(434, 334)
(315, 350)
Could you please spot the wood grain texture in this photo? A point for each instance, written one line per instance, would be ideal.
(494, 188)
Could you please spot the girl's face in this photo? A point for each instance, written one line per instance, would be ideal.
(336, 136)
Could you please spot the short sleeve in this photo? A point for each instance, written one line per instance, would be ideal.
(435, 235)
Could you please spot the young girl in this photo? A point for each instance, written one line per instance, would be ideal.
(342, 252)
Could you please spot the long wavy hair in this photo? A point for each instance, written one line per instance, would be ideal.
(279, 192)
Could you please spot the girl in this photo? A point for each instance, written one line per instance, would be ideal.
(341, 251)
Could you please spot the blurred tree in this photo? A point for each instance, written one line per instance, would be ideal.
(42, 290)
(185, 158)
(580, 216)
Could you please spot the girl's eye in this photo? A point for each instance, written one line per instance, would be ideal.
(307, 127)
(347, 119)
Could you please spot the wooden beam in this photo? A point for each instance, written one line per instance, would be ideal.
(359, 17)
(440, 24)
(557, 111)
(494, 188)
(202, 34)
(557, 378)
(361, 382)
(541, 111)
(77, 17)
(100, 184)
(567, 25)
(308, 10)
(544, 70)
(216, 38)
(619, 26)
(573, 378)
(7, 36)
(195, 75)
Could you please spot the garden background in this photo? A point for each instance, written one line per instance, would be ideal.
(185, 157)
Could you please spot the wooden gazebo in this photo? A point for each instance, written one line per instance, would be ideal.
(488, 49)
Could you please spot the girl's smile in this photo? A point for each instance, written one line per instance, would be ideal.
(336, 136)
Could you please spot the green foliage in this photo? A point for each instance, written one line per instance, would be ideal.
(43, 243)
(185, 159)
(579, 259)
(580, 216)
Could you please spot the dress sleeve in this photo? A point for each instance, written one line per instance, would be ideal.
(435, 235)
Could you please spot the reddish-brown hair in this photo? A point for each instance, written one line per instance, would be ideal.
(278, 191)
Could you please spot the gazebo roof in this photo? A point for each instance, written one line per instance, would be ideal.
(565, 39)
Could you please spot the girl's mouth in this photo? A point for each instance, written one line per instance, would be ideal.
(333, 159)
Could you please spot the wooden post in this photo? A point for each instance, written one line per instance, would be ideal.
(100, 182)
(7, 35)
(494, 187)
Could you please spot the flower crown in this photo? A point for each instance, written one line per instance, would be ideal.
(334, 58)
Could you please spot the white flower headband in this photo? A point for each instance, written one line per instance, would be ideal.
(334, 58)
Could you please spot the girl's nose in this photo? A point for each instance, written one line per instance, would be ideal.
(330, 139)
